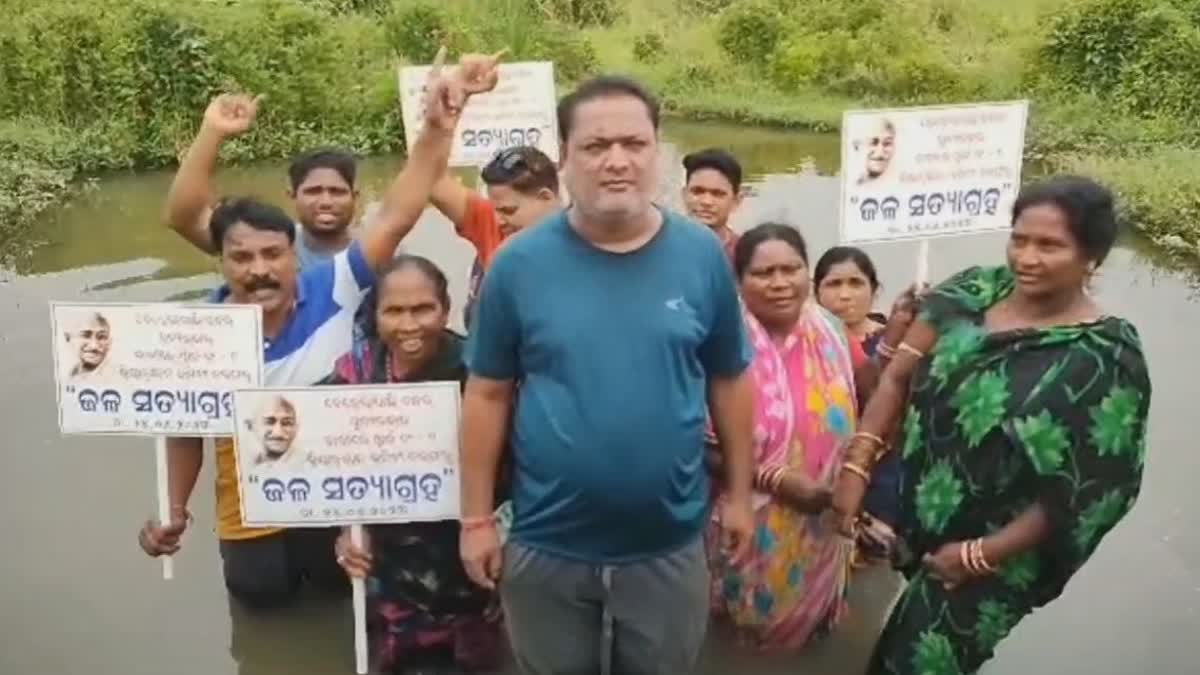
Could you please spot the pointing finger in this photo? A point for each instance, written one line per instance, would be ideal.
(438, 61)
(499, 55)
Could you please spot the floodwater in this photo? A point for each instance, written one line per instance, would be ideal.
(78, 596)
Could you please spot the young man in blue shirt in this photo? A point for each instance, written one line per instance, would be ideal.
(620, 321)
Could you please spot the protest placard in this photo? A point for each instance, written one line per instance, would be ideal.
(153, 369)
(916, 173)
(319, 456)
(519, 111)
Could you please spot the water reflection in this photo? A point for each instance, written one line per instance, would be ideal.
(78, 595)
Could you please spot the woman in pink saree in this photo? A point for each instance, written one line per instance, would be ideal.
(793, 585)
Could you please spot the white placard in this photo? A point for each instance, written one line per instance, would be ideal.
(153, 369)
(915, 173)
(320, 456)
(521, 110)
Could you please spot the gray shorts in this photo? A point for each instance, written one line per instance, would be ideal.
(572, 618)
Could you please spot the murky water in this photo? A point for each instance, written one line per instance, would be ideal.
(78, 596)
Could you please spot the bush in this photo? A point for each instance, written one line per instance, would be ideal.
(750, 30)
(35, 175)
(702, 7)
(417, 31)
(1142, 55)
(873, 63)
(138, 75)
(573, 54)
(106, 85)
(376, 7)
(582, 12)
(648, 47)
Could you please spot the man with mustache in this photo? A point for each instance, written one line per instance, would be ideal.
(712, 191)
(307, 323)
(277, 425)
(93, 339)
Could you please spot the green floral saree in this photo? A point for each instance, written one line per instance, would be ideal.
(994, 423)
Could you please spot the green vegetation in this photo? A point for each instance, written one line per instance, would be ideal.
(1111, 82)
(94, 85)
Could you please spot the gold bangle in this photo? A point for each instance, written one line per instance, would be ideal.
(871, 437)
(980, 559)
(884, 351)
(909, 349)
(765, 477)
(857, 470)
(964, 556)
(777, 479)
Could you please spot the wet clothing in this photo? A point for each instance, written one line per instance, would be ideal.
(419, 595)
(614, 353)
(792, 586)
(644, 618)
(328, 296)
(882, 501)
(995, 423)
(267, 571)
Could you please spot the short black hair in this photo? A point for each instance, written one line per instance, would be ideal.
(1089, 207)
(721, 161)
(604, 86)
(751, 239)
(253, 213)
(337, 159)
(436, 276)
(841, 254)
(524, 168)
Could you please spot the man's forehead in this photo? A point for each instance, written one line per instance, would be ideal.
(710, 179)
(880, 128)
(324, 177)
(612, 117)
(91, 323)
(276, 405)
(243, 236)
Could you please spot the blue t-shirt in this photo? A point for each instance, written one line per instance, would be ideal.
(306, 255)
(613, 353)
(328, 297)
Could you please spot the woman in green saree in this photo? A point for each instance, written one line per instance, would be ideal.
(1023, 435)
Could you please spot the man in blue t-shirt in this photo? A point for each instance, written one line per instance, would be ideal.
(621, 323)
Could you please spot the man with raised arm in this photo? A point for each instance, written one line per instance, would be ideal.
(307, 325)
(322, 187)
(522, 189)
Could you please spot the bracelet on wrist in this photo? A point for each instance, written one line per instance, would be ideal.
(469, 523)
(857, 470)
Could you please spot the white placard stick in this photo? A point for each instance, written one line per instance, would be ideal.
(360, 609)
(922, 264)
(164, 498)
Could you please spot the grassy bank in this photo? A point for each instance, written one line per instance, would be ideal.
(94, 85)
(1110, 81)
